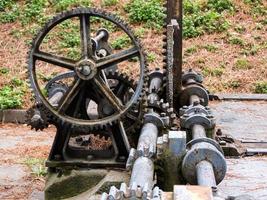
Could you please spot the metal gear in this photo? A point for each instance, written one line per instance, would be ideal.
(133, 118)
(36, 119)
(122, 85)
(164, 109)
(58, 115)
(133, 192)
(172, 50)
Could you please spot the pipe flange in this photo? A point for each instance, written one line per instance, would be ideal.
(155, 119)
(194, 89)
(203, 152)
(164, 109)
(157, 73)
(197, 109)
(190, 74)
(207, 140)
(187, 121)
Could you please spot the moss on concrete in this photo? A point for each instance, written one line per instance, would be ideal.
(75, 183)
(168, 169)
(107, 185)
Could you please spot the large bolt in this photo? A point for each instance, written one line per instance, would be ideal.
(102, 53)
(86, 70)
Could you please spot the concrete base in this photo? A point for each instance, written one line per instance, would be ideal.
(13, 116)
(82, 184)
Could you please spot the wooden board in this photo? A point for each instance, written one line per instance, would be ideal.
(186, 192)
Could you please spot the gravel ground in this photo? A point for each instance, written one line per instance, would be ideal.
(18, 146)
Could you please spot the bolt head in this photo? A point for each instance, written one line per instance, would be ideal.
(163, 114)
(86, 70)
(222, 143)
(102, 53)
(209, 116)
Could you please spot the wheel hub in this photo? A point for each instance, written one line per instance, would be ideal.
(86, 69)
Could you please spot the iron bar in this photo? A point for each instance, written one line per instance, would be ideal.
(143, 167)
(198, 131)
(142, 173)
(205, 174)
(174, 17)
(148, 139)
(204, 169)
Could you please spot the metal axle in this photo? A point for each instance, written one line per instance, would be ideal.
(143, 167)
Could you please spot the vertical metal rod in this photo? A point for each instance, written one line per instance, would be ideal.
(204, 169)
(205, 174)
(175, 11)
(124, 136)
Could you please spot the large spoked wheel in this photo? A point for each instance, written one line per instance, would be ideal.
(89, 70)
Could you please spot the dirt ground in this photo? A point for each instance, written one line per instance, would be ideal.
(18, 145)
(218, 64)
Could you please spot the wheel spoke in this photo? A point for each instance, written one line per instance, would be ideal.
(78, 105)
(69, 96)
(55, 60)
(120, 90)
(108, 94)
(85, 36)
(114, 59)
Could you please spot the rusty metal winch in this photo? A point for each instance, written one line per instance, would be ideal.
(157, 129)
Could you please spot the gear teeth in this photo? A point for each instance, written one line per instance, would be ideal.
(53, 118)
(164, 109)
(133, 192)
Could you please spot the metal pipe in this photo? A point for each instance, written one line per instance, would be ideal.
(100, 35)
(155, 84)
(204, 169)
(142, 173)
(205, 174)
(198, 131)
(148, 139)
(55, 98)
(143, 167)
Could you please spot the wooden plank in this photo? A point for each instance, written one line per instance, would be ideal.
(188, 192)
